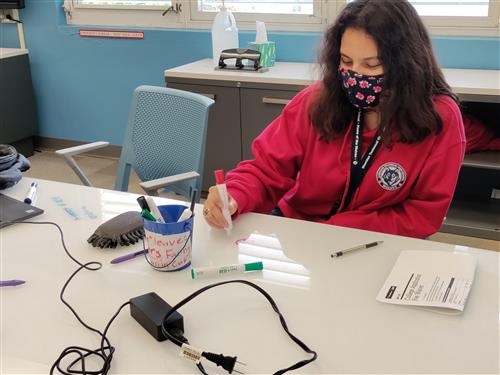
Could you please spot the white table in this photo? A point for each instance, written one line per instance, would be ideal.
(328, 303)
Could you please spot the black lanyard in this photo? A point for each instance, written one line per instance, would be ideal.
(358, 167)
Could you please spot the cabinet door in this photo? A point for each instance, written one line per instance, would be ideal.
(223, 147)
(258, 108)
(17, 104)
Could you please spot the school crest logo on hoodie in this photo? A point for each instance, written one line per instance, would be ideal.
(391, 176)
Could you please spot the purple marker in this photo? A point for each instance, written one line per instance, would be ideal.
(12, 282)
(123, 258)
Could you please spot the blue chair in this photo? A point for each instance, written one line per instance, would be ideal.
(164, 142)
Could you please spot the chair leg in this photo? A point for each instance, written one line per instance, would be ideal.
(76, 168)
(122, 176)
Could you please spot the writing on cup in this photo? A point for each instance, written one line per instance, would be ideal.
(171, 251)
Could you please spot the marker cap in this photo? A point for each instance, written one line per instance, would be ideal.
(143, 204)
(257, 266)
(219, 176)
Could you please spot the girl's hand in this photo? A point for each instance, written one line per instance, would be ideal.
(212, 209)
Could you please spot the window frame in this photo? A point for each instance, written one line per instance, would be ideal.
(136, 16)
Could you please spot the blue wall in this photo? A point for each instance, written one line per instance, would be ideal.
(83, 86)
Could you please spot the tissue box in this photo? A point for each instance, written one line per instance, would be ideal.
(267, 52)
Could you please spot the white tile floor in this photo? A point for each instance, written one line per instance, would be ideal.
(101, 172)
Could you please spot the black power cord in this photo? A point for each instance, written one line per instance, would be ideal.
(226, 362)
(106, 350)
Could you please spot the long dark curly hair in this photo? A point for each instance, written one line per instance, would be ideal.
(411, 74)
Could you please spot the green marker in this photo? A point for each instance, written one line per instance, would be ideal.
(147, 215)
(197, 273)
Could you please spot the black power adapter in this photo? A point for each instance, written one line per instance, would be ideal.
(150, 310)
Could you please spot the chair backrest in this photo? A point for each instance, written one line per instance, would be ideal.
(166, 135)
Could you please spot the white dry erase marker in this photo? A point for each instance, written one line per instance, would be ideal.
(221, 188)
(154, 210)
(30, 196)
(197, 273)
(186, 214)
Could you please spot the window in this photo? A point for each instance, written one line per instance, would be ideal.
(273, 11)
(458, 13)
(452, 8)
(123, 3)
(123, 13)
(304, 7)
(299, 15)
(444, 17)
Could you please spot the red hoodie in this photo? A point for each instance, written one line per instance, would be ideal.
(406, 191)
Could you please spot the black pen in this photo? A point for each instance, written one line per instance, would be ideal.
(365, 246)
(193, 199)
(188, 212)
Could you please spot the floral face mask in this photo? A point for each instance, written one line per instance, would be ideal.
(361, 90)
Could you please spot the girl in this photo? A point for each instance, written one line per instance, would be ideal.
(376, 145)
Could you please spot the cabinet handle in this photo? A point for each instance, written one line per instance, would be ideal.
(210, 96)
(275, 101)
